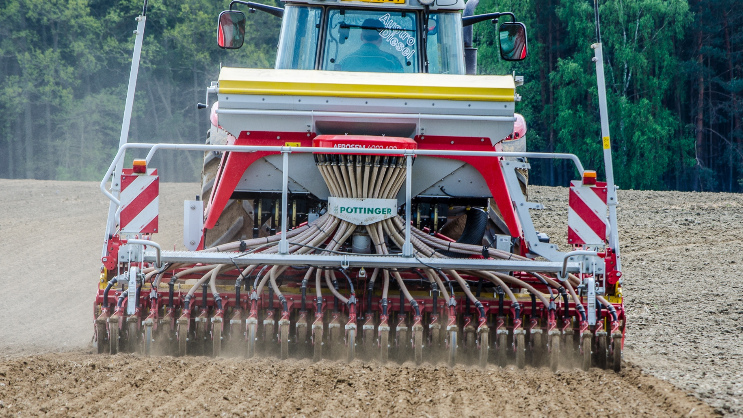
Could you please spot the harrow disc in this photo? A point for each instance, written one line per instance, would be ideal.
(537, 347)
(601, 349)
(501, 348)
(217, 338)
(182, 338)
(284, 338)
(586, 350)
(384, 344)
(114, 337)
(317, 342)
(148, 339)
(418, 343)
(131, 336)
(251, 337)
(484, 348)
(351, 344)
(519, 342)
(101, 332)
(554, 351)
(617, 352)
(452, 347)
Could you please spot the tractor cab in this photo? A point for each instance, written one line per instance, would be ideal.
(397, 36)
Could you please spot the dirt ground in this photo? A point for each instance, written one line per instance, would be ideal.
(683, 289)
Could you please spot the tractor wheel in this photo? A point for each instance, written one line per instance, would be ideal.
(351, 345)
(236, 221)
(520, 350)
(554, 351)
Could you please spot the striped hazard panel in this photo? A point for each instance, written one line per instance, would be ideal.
(139, 201)
(587, 214)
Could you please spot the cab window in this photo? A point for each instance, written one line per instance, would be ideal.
(445, 44)
(372, 41)
(299, 37)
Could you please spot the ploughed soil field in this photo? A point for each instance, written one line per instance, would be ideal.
(683, 355)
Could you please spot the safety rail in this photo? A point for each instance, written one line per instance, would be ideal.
(407, 250)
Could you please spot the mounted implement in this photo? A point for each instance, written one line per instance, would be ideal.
(365, 199)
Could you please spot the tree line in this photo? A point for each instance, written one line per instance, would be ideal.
(673, 74)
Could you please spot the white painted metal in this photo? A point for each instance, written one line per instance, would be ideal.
(131, 304)
(357, 260)
(283, 244)
(193, 223)
(606, 138)
(407, 247)
(124, 136)
(588, 195)
(591, 296)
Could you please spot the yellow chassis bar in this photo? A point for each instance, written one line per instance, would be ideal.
(367, 85)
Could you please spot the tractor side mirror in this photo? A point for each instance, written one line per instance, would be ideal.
(512, 37)
(231, 33)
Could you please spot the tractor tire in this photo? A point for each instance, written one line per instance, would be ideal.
(236, 221)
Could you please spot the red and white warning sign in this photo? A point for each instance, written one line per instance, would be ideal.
(139, 201)
(587, 214)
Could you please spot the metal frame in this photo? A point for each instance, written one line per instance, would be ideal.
(586, 263)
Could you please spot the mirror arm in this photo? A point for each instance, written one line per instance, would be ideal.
(471, 20)
(276, 11)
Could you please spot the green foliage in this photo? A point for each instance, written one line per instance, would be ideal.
(673, 74)
(65, 68)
